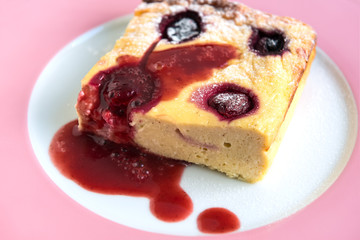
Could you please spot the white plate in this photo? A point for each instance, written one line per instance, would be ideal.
(314, 151)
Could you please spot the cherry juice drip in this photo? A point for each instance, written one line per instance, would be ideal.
(182, 66)
(109, 168)
(217, 220)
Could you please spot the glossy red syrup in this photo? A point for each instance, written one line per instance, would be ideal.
(181, 66)
(106, 167)
(217, 220)
(106, 104)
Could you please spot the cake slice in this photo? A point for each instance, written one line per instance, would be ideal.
(214, 83)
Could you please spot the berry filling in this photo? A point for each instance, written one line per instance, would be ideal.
(122, 89)
(227, 101)
(127, 86)
(181, 27)
(266, 43)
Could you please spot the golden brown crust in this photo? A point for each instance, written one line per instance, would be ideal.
(301, 81)
(304, 72)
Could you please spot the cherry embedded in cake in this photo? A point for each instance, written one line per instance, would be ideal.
(268, 42)
(230, 104)
(181, 27)
(226, 101)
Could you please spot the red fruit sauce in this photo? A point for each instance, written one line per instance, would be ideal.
(181, 66)
(106, 167)
(217, 220)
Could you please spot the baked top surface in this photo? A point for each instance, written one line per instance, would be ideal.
(272, 78)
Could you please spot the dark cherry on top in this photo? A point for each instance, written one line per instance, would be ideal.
(217, 220)
(231, 104)
(181, 27)
(268, 42)
(228, 101)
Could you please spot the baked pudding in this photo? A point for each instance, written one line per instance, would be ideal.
(213, 83)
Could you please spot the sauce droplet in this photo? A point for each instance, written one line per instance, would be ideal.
(217, 220)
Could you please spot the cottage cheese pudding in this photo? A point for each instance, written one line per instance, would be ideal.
(210, 82)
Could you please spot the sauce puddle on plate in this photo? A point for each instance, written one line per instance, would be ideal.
(106, 167)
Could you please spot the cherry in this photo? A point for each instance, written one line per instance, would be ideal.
(181, 27)
(127, 86)
(266, 43)
(118, 93)
(227, 101)
(230, 104)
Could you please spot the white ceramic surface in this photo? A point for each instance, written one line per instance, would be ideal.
(314, 151)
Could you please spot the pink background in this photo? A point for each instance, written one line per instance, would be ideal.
(33, 207)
